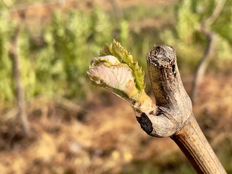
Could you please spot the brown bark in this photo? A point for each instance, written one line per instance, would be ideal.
(20, 94)
(174, 117)
(195, 146)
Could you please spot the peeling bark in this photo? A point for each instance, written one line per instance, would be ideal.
(175, 115)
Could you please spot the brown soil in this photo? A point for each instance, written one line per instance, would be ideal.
(104, 136)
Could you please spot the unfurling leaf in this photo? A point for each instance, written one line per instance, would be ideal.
(116, 70)
(108, 72)
(115, 49)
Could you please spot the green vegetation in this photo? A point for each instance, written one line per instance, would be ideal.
(56, 58)
(59, 64)
(186, 35)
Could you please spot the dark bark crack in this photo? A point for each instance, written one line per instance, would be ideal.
(145, 123)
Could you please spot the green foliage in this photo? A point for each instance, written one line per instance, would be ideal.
(72, 39)
(6, 31)
(59, 64)
(223, 26)
(124, 32)
(187, 37)
(55, 59)
(26, 65)
(188, 22)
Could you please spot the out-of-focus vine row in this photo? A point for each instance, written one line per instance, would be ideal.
(55, 55)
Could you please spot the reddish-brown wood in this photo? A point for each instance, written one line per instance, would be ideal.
(195, 146)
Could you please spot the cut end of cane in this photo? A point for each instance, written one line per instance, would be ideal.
(162, 56)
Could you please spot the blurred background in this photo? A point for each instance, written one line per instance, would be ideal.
(54, 121)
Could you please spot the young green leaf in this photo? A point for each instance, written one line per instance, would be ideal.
(115, 49)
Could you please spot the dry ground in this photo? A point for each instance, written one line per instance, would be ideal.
(104, 137)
